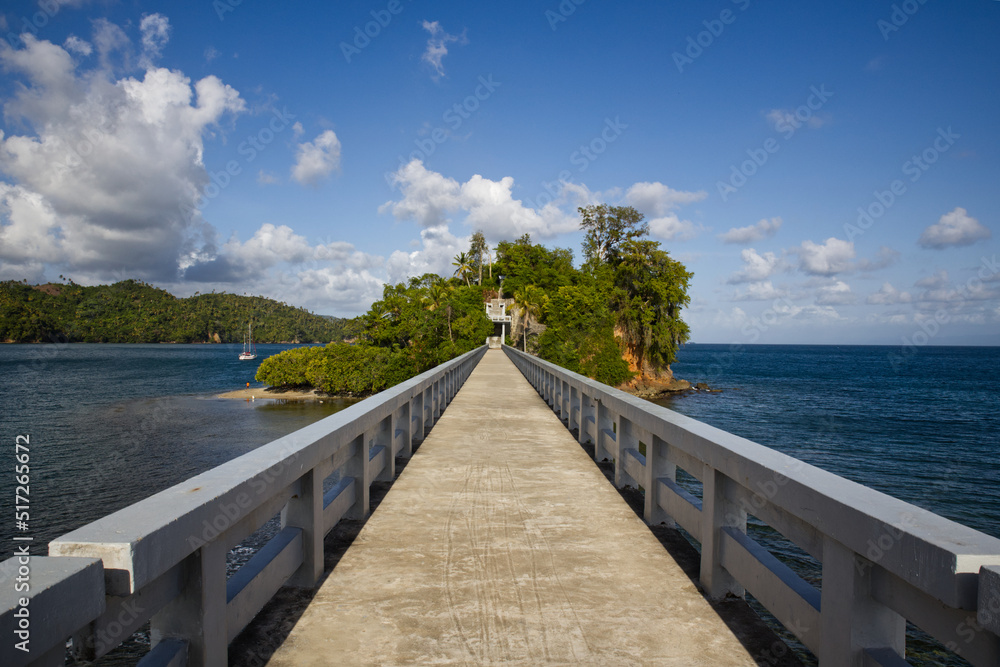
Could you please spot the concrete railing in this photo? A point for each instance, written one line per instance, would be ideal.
(884, 561)
(163, 559)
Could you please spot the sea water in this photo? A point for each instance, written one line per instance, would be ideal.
(923, 427)
(112, 424)
(109, 425)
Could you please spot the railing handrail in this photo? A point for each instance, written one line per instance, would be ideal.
(136, 564)
(929, 558)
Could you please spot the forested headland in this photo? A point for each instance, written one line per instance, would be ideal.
(135, 312)
(615, 318)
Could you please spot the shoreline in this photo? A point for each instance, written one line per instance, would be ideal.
(280, 394)
(273, 393)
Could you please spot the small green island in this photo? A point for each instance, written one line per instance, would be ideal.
(616, 318)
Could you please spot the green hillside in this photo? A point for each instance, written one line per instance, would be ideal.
(135, 312)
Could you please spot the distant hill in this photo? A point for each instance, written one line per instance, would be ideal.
(135, 312)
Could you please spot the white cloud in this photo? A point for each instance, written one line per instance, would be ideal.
(785, 120)
(155, 31)
(957, 228)
(331, 276)
(658, 202)
(886, 257)
(429, 197)
(118, 161)
(491, 207)
(437, 46)
(78, 46)
(342, 290)
(889, 296)
(756, 267)
(761, 291)
(438, 247)
(936, 281)
(657, 199)
(316, 159)
(108, 38)
(827, 259)
(267, 178)
(672, 228)
(758, 232)
(836, 294)
(269, 245)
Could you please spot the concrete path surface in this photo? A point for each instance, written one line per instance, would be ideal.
(502, 543)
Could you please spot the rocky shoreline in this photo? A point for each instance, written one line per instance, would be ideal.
(652, 389)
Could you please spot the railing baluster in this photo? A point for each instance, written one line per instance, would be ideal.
(305, 511)
(625, 440)
(851, 620)
(198, 614)
(657, 468)
(717, 512)
(588, 416)
(604, 444)
(358, 468)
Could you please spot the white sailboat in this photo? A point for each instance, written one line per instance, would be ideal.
(249, 348)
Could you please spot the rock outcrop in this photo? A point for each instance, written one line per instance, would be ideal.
(649, 382)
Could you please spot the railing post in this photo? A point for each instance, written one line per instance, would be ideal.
(402, 424)
(626, 440)
(417, 418)
(564, 402)
(428, 407)
(852, 621)
(305, 511)
(717, 512)
(588, 415)
(383, 436)
(574, 408)
(198, 614)
(358, 468)
(657, 468)
(604, 442)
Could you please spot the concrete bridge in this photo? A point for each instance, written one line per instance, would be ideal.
(502, 543)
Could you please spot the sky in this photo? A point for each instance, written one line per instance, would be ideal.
(828, 171)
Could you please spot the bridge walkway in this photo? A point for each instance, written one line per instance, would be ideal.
(502, 543)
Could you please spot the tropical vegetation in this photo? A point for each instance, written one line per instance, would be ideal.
(614, 318)
(131, 311)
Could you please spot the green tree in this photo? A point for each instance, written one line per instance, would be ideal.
(607, 229)
(464, 267)
(479, 254)
(580, 332)
(523, 263)
(530, 302)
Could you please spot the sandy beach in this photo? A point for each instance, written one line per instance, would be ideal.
(258, 393)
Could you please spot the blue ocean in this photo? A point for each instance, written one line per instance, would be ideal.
(112, 424)
(921, 425)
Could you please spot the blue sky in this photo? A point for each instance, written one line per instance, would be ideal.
(828, 172)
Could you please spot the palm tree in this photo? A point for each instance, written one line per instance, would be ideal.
(437, 296)
(464, 267)
(529, 302)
